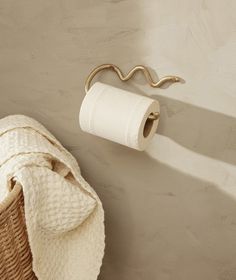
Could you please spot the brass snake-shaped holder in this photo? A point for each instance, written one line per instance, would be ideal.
(124, 78)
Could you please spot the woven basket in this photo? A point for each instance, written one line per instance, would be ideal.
(15, 254)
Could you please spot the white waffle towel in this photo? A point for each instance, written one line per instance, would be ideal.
(64, 216)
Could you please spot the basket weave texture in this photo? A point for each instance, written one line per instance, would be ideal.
(15, 254)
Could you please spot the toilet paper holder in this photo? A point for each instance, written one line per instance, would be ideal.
(173, 79)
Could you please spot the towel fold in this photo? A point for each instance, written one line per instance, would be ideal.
(64, 216)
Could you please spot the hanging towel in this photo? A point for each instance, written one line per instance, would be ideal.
(64, 216)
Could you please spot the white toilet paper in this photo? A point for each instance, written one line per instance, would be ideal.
(119, 115)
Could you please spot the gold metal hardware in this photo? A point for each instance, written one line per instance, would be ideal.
(153, 116)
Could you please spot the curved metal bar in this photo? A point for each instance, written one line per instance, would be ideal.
(122, 77)
(130, 74)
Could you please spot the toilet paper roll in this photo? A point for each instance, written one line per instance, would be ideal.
(119, 115)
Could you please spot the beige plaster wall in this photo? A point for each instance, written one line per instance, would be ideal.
(170, 211)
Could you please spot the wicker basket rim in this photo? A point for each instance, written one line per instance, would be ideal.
(12, 195)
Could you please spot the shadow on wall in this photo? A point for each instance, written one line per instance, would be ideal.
(202, 131)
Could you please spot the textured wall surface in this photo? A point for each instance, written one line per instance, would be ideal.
(170, 211)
